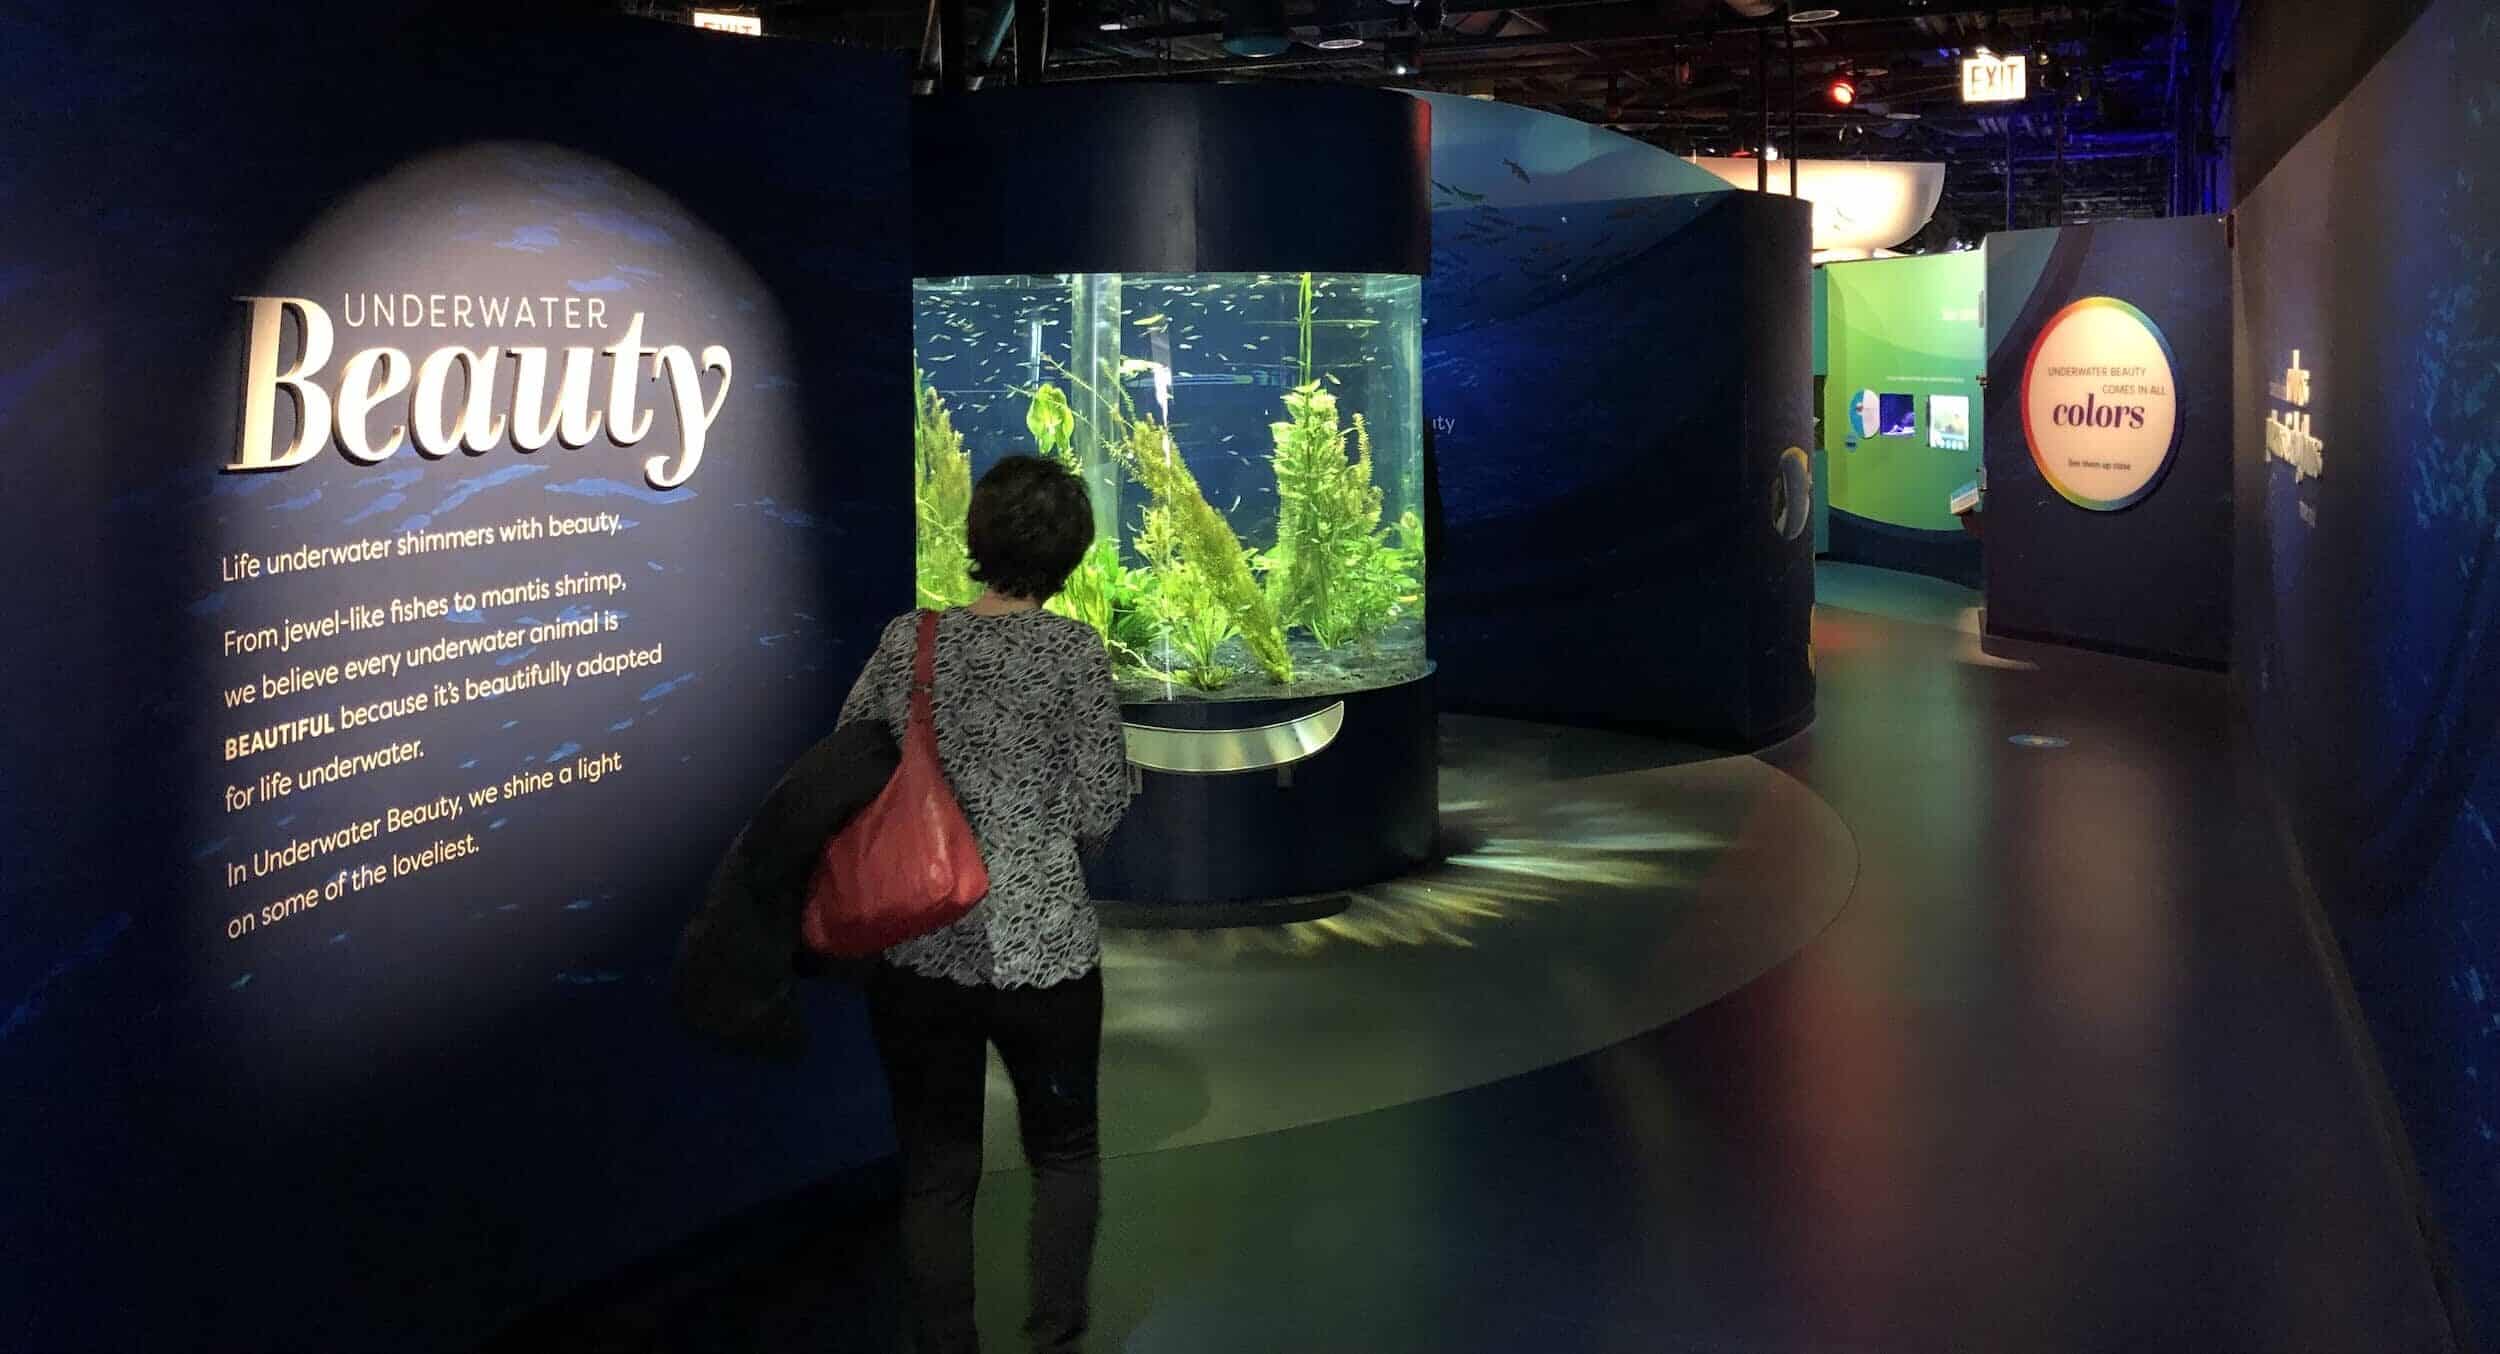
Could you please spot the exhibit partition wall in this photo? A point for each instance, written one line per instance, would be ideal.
(439, 506)
(2367, 453)
(1903, 354)
(2108, 495)
(1616, 374)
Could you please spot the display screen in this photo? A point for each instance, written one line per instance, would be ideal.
(1880, 415)
(1948, 422)
(1900, 416)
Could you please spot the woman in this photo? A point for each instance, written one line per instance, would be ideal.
(1028, 731)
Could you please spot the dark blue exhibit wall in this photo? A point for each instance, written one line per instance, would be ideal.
(2368, 462)
(351, 807)
(2138, 314)
(1623, 464)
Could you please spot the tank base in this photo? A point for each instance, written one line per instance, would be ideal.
(1254, 812)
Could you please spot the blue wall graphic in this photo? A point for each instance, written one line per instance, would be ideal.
(357, 1056)
(1616, 358)
(2369, 572)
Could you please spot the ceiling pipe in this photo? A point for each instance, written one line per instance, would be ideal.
(1472, 55)
(1448, 58)
(1032, 42)
(954, 17)
(929, 49)
(1700, 27)
(1002, 18)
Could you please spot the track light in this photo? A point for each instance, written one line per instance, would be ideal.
(1842, 91)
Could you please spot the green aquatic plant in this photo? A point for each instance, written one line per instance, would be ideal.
(1303, 329)
(1182, 603)
(1052, 423)
(1387, 583)
(1212, 570)
(1099, 591)
(1201, 591)
(1091, 593)
(1334, 572)
(941, 497)
(1113, 600)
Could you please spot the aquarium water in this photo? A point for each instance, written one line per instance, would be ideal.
(1252, 444)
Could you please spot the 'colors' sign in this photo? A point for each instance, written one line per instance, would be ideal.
(2100, 404)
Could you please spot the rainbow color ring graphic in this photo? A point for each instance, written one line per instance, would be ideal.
(2100, 401)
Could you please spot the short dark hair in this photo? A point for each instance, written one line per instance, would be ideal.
(1029, 526)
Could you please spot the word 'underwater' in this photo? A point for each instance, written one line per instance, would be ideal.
(439, 420)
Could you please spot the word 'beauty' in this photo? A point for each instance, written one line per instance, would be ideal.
(437, 422)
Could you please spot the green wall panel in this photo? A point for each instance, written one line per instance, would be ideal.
(1901, 327)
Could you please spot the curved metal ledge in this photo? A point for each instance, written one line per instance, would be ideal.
(1217, 752)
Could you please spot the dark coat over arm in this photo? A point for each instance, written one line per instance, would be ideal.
(736, 972)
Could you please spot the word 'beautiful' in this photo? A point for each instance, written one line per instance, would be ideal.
(373, 376)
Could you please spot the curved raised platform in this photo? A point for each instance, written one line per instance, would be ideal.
(1598, 886)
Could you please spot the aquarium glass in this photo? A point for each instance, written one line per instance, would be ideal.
(1253, 446)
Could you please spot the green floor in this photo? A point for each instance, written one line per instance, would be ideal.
(1902, 597)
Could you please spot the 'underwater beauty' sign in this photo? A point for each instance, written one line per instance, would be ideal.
(2100, 403)
(449, 397)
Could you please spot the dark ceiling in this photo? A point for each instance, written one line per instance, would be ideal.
(2112, 83)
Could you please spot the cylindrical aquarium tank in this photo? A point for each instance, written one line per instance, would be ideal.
(1206, 301)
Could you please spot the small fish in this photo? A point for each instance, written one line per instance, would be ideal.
(1332, 378)
(947, 358)
(1150, 321)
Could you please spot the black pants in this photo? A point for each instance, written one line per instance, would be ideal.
(931, 1034)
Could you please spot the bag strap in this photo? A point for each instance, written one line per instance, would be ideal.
(924, 672)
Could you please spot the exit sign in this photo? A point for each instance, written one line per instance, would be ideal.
(1995, 79)
(717, 22)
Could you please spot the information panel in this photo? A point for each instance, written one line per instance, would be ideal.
(469, 592)
(2108, 437)
(2101, 404)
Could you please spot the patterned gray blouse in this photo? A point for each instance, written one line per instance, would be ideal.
(1029, 733)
